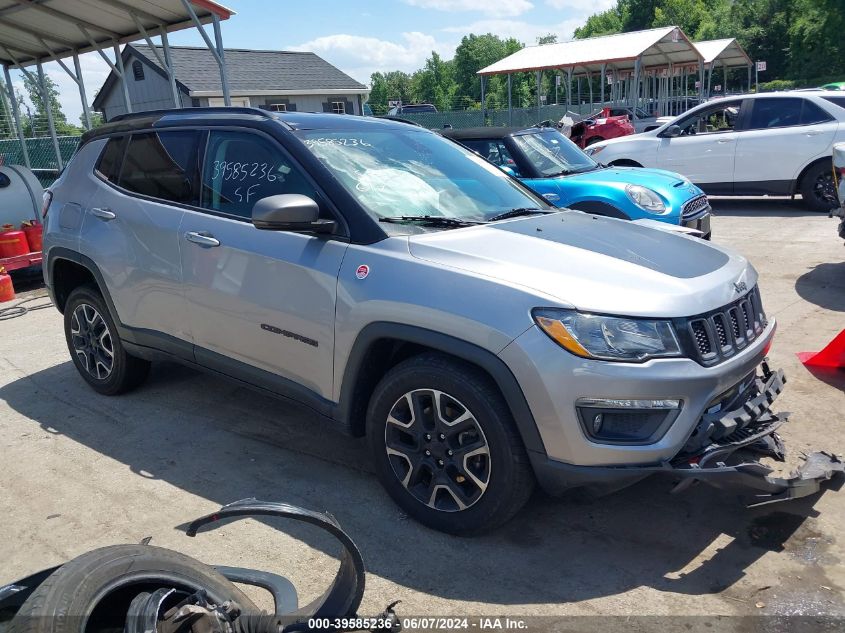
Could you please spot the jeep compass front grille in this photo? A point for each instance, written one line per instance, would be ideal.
(716, 336)
(696, 207)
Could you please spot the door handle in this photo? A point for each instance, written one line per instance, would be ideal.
(103, 213)
(814, 132)
(203, 239)
(722, 141)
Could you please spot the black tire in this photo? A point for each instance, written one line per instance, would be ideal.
(624, 162)
(817, 188)
(125, 371)
(593, 140)
(509, 478)
(99, 585)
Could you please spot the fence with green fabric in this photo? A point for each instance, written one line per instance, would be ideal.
(42, 155)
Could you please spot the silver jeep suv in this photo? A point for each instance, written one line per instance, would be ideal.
(399, 285)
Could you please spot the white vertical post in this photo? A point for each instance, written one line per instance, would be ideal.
(602, 81)
(17, 115)
(171, 74)
(537, 78)
(86, 111)
(48, 106)
(121, 71)
(224, 75)
(510, 104)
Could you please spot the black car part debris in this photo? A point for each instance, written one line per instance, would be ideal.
(147, 589)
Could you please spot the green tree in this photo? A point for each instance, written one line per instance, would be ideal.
(435, 82)
(394, 84)
(7, 126)
(476, 52)
(37, 124)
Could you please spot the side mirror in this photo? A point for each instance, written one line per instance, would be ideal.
(508, 170)
(289, 212)
(672, 131)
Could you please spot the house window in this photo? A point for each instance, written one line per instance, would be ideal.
(338, 107)
(278, 107)
(138, 70)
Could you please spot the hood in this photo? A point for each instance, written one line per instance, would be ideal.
(595, 264)
(659, 179)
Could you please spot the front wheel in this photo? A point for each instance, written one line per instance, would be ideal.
(446, 447)
(818, 189)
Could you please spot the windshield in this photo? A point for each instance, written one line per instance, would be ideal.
(413, 172)
(552, 154)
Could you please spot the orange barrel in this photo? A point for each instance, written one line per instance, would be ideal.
(7, 290)
(33, 230)
(12, 242)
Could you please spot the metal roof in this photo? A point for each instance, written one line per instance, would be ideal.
(725, 52)
(41, 29)
(253, 71)
(656, 47)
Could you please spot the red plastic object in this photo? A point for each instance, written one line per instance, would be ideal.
(833, 355)
(12, 242)
(33, 230)
(7, 290)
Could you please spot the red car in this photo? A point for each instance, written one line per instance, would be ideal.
(599, 127)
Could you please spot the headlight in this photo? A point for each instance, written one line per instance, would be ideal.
(645, 199)
(606, 337)
(593, 150)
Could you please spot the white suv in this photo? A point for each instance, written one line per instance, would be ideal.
(767, 144)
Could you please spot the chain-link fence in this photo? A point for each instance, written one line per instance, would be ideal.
(42, 155)
(516, 117)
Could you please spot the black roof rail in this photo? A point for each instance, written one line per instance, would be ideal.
(200, 110)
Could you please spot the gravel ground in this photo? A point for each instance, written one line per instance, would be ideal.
(82, 471)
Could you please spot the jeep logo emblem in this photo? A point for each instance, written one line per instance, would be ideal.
(740, 286)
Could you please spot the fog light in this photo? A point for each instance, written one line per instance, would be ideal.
(616, 421)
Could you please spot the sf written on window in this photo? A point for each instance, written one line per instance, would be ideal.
(241, 168)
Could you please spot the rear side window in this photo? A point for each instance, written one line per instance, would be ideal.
(774, 113)
(109, 164)
(840, 101)
(811, 114)
(241, 168)
(162, 165)
(493, 150)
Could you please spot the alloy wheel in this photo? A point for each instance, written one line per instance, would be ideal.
(824, 188)
(437, 450)
(92, 341)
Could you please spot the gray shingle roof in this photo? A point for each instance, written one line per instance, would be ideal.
(253, 70)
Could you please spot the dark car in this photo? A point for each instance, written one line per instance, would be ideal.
(411, 108)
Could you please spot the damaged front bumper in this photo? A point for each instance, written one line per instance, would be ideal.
(723, 451)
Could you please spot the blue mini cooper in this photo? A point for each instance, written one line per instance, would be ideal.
(553, 166)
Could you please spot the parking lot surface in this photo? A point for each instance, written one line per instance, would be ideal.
(81, 471)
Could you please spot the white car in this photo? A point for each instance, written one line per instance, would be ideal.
(766, 144)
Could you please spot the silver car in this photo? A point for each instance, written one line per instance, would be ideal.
(400, 285)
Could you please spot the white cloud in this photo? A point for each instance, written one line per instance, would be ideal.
(523, 31)
(496, 8)
(361, 56)
(596, 6)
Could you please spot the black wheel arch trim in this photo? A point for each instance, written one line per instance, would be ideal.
(486, 360)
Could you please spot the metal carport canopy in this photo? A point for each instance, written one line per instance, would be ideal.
(725, 52)
(654, 48)
(36, 31)
(33, 30)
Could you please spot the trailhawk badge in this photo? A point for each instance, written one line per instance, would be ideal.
(740, 286)
(362, 272)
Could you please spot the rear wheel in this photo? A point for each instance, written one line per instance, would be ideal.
(95, 347)
(593, 140)
(818, 189)
(446, 447)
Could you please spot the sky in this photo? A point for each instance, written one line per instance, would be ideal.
(359, 37)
